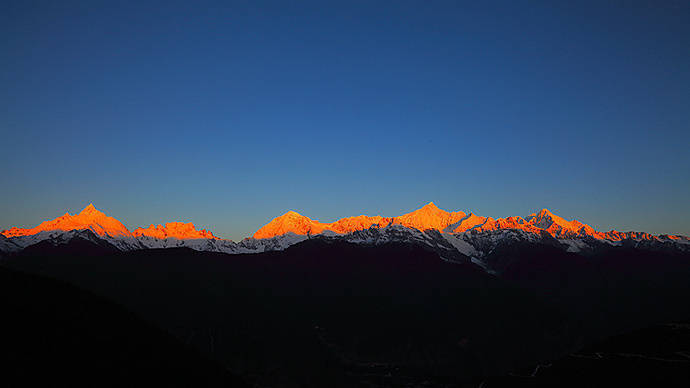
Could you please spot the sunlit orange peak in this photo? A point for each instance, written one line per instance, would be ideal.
(289, 222)
(296, 223)
(89, 218)
(556, 225)
(178, 230)
(429, 217)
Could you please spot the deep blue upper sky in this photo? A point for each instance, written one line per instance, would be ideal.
(228, 114)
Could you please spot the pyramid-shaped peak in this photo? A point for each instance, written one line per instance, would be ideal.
(545, 212)
(91, 211)
(90, 218)
(429, 217)
(430, 206)
(289, 222)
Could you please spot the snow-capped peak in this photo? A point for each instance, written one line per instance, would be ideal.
(289, 222)
(429, 217)
(91, 211)
(429, 224)
(89, 218)
(178, 230)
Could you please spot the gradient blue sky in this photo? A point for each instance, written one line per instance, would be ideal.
(228, 114)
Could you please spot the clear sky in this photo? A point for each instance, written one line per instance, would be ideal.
(228, 113)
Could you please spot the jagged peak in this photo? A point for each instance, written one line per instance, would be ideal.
(426, 209)
(557, 225)
(175, 229)
(90, 218)
(429, 217)
(430, 205)
(429, 208)
(545, 212)
(91, 210)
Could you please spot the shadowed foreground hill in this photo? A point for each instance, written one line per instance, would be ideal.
(657, 356)
(54, 334)
(330, 313)
(324, 313)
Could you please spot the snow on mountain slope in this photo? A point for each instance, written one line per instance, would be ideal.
(174, 234)
(58, 237)
(7, 245)
(555, 225)
(429, 217)
(293, 222)
(248, 245)
(461, 245)
(455, 236)
(178, 230)
(89, 218)
(466, 223)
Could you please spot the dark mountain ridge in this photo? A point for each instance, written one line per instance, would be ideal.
(54, 334)
(328, 312)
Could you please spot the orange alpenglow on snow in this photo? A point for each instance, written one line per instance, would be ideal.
(178, 230)
(430, 217)
(353, 224)
(466, 223)
(299, 224)
(89, 218)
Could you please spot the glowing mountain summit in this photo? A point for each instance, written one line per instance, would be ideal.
(299, 224)
(469, 234)
(429, 217)
(90, 218)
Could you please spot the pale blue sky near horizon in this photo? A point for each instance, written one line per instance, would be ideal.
(228, 114)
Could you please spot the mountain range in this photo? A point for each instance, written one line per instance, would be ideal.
(455, 236)
(429, 298)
